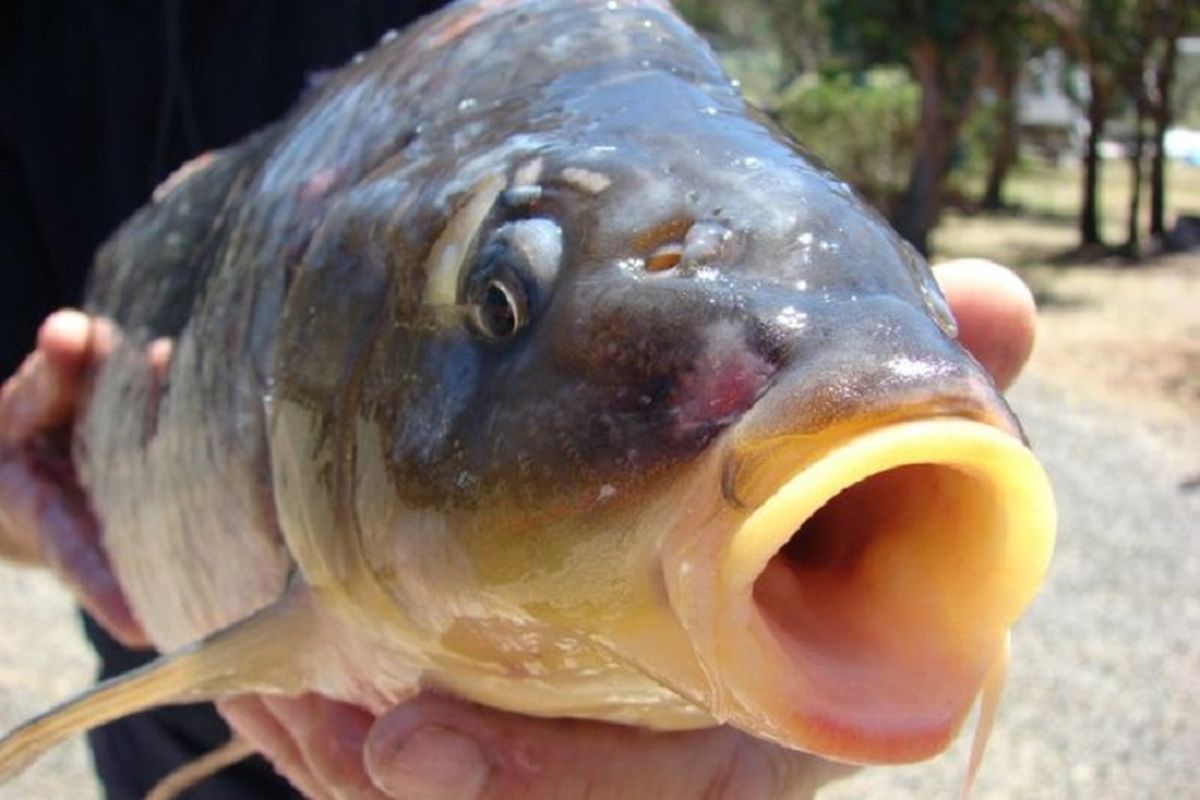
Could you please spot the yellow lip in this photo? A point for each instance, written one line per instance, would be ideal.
(860, 606)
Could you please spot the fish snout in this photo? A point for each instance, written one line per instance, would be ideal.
(857, 363)
(885, 527)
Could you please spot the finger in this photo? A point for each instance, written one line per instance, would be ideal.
(41, 396)
(36, 401)
(71, 541)
(41, 501)
(65, 338)
(329, 737)
(45, 519)
(997, 317)
(250, 717)
(437, 747)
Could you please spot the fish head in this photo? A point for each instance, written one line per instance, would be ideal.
(685, 396)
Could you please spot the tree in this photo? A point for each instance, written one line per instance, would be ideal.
(1161, 111)
(1011, 47)
(1133, 73)
(1096, 34)
(943, 43)
(1005, 141)
(803, 33)
(1170, 20)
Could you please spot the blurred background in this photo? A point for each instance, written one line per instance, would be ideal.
(1060, 137)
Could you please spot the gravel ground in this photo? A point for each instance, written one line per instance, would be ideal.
(43, 659)
(1104, 695)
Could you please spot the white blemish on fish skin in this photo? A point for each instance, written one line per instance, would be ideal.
(632, 266)
(789, 317)
(805, 238)
(586, 180)
(493, 161)
(607, 492)
(529, 173)
(908, 368)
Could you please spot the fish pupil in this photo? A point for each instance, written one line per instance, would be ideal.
(498, 313)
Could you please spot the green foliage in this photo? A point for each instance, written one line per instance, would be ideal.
(884, 30)
(979, 135)
(795, 31)
(862, 127)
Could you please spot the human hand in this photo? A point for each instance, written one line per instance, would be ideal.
(997, 317)
(45, 518)
(436, 747)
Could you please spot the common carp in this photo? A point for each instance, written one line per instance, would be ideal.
(524, 361)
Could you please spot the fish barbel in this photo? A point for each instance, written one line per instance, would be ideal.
(523, 361)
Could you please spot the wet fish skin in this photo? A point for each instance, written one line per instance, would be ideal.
(526, 520)
(344, 198)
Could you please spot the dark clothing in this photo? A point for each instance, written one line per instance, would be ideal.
(99, 101)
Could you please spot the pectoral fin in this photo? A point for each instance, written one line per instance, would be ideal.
(257, 654)
(199, 769)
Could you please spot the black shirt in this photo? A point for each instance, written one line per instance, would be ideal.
(99, 101)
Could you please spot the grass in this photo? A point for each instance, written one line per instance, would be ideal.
(1043, 221)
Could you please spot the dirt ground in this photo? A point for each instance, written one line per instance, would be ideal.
(1128, 337)
(1124, 336)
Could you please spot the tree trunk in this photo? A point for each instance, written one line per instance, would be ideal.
(1004, 149)
(1133, 243)
(1162, 113)
(1089, 213)
(944, 108)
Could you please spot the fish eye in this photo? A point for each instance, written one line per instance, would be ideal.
(515, 271)
(501, 309)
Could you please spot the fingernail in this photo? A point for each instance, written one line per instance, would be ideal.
(434, 763)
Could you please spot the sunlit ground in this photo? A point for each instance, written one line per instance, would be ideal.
(1121, 333)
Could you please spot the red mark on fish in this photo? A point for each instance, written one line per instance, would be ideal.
(726, 379)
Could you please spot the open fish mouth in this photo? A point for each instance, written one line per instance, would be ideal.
(858, 607)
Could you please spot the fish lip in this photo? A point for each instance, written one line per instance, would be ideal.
(742, 657)
(789, 453)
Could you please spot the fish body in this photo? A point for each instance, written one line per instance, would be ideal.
(524, 361)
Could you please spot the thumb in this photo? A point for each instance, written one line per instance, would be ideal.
(997, 318)
(435, 747)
